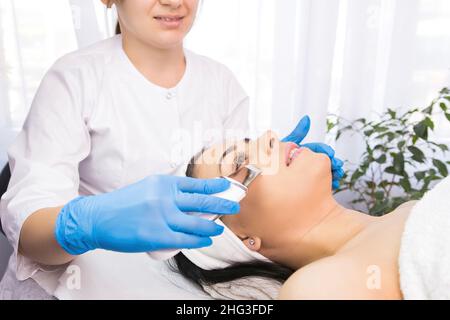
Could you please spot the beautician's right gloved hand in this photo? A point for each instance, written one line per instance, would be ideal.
(146, 216)
(299, 134)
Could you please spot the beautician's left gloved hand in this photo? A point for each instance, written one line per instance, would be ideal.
(300, 133)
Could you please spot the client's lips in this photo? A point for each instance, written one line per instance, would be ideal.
(292, 150)
(169, 18)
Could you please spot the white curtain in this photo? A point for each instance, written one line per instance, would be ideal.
(350, 57)
(294, 57)
(33, 34)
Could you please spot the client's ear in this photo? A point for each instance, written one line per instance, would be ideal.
(253, 243)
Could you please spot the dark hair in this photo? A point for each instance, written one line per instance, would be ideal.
(118, 31)
(202, 277)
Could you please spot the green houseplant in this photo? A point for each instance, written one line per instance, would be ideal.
(400, 161)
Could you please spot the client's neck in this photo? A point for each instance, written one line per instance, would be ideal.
(334, 227)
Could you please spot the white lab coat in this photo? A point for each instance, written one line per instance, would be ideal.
(97, 124)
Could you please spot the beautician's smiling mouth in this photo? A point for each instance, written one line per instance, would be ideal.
(292, 151)
(169, 20)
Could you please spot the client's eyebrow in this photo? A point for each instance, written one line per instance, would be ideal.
(228, 151)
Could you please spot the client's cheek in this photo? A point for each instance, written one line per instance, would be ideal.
(275, 196)
(260, 196)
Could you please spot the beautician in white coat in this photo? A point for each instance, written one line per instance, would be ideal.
(85, 165)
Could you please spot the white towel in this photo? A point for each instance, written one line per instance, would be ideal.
(424, 259)
(226, 250)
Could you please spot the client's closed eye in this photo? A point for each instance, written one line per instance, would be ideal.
(239, 157)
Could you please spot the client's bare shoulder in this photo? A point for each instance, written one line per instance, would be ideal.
(334, 278)
(366, 269)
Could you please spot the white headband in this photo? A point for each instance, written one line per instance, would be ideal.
(226, 249)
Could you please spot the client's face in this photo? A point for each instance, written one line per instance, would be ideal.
(280, 203)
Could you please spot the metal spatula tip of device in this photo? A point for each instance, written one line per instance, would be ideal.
(252, 174)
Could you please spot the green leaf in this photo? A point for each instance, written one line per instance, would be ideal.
(368, 133)
(379, 195)
(429, 110)
(382, 159)
(379, 208)
(401, 144)
(429, 123)
(399, 162)
(356, 175)
(401, 132)
(418, 155)
(392, 113)
(406, 185)
(443, 147)
(381, 129)
(441, 166)
(397, 201)
(420, 175)
(443, 106)
(447, 115)
(370, 184)
(417, 195)
(330, 125)
(391, 136)
(349, 127)
(391, 170)
(384, 184)
(421, 130)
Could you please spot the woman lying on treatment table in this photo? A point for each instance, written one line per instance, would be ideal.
(294, 231)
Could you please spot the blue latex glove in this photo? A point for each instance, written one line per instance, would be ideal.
(145, 216)
(300, 133)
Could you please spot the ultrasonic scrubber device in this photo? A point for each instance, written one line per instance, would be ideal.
(236, 192)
